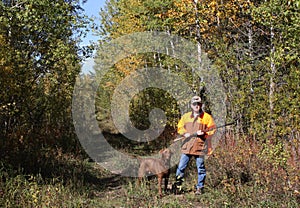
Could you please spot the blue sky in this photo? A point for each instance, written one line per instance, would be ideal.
(91, 8)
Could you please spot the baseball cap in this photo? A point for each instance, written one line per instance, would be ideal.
(196, 99)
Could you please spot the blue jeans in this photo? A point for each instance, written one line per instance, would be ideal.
(184, 160)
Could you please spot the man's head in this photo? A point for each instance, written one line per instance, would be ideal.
(196, 103)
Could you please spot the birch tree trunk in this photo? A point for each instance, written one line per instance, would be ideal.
(199, 50)
(272, 83)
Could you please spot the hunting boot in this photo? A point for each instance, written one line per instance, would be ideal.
(199, 191)
(177, 186)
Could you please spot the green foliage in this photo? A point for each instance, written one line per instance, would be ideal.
(39, 62)
(280, 21)
(238, 174)
(275, 153)
(65, 189)
(252, 175)
(255, 47)
(253, 44)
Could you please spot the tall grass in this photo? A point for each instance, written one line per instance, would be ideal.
(241, 173)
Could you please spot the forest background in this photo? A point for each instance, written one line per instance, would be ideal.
(254, 45)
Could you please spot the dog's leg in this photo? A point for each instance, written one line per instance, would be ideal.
(159, 184)
(166, 183)
(141, 174)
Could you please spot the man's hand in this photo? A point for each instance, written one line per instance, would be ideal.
(186, 135)
(199, 133)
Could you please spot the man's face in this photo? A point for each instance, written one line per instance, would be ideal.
(196, 107)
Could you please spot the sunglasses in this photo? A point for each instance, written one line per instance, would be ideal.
(195, 104)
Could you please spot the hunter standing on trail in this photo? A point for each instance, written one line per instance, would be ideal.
(192, 126)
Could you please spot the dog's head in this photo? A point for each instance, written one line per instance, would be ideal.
(165, 154)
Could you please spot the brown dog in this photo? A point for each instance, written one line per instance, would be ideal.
(158, 167)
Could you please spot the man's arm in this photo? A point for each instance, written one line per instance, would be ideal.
(180, 126)
(211, 125)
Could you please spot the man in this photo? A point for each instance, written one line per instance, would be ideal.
(192, 126)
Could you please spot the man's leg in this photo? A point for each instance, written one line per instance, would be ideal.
(184, 160)
(201, 173)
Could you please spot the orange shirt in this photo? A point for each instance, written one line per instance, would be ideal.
(204, 118)
(188, 124)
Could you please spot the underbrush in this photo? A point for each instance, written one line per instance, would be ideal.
(251, 174)
(240, 173)
(32, 191)
(63, 181)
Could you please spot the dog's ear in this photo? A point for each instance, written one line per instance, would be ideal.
(161, 152)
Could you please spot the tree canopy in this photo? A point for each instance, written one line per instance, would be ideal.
(39, 61)
(253, 44)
